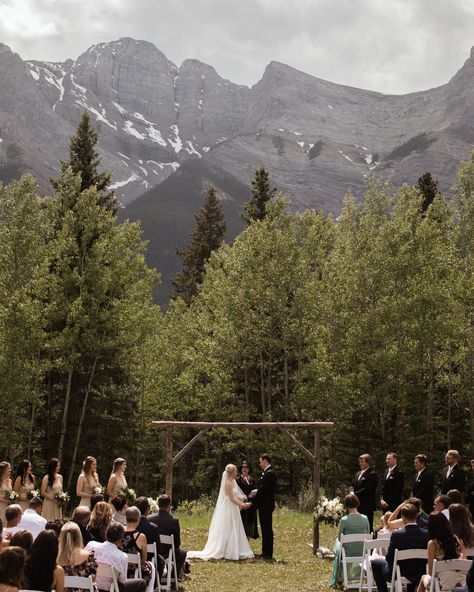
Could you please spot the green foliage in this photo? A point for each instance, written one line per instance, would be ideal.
(261, 196)
(429, 189)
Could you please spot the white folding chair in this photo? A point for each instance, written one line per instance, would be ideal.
(461, 566)
(397, 580)
(151, 550)
(135, 561)
(171, 578)
(367, 552)
(347, 560)
(106, 571)
(82, 583)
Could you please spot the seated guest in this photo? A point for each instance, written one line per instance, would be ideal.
(169, 525)
(41, 570)
(119, 503)
(95, 499)
(135, 542)
(32, 521)
(12, 563)
(460, 520)
(101, 517)
(150, 530)
(442, 545)
(422, 518)
(411, 536)
(353, 523)
(81, 517)
(470, 491)
(72, 557)
(23, 539)
(384, 528)
(441, 504)
(55, 526)
(109, 553)
(13, 518)
(455, 496)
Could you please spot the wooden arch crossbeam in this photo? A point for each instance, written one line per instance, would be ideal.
(285, 427)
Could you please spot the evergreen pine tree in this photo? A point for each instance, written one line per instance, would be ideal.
(262, 193)
(84, 160)
(429, 189)
(206, 237)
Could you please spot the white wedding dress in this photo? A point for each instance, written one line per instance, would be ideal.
(227, 538)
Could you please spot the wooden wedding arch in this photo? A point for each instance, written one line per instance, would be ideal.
(204, 426)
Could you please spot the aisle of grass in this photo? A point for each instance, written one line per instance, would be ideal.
(296, 569)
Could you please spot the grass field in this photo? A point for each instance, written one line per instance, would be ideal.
(295, 568)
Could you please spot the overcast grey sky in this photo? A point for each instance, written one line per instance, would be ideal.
(392, 46)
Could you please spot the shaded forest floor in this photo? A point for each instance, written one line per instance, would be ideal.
(295, 568)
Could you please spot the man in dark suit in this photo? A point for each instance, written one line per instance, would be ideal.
(169, 525)
(411, 536)
(150, 530)
(365, 486)
(264, 501)
(392, 484)
(452, 477)
(423, 484)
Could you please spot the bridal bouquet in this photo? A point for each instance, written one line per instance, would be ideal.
(33, 493)
(129, 494)
(62, 498)
(329, 511)
(11, 496)
(99, 489)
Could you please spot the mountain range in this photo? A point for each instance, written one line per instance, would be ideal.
(166, 132)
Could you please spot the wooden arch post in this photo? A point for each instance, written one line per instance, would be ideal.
(285, 427)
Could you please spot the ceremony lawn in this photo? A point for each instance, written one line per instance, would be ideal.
(295, 568)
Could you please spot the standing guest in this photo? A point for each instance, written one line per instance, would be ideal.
(424, 483)
(392, 484)
(452, 477)
(169, 525)
(365, 486)
(87, 481)
(23, 539)
(72, 557)
(441, 505)
(442, 545)
(51, 485)
(41, 570)
(24, 483)
(120, 505)
(353, 523)
(101, 517)
(150, 530)
(249, 517)
(95, 499)
(12, 563)
(32, 521)
(470, 491)
(5, 487)
(117, 481)
(461, 524)
(109, 553)
(13, 518)
(81, 516)
(135, 541)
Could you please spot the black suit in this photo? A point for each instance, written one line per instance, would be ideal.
(152, 533)
(409, 537)
(456, 480)
(392, 488)
(470, 497)
(169, 525)
(264, 501)
(423, 489)
(365, 486)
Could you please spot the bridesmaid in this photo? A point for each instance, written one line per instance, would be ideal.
(117, 480)
(24, 483)
(88, 480)
(52, 484)
(5, 487)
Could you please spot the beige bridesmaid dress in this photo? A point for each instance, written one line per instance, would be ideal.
(88, 487)
(5, 489)
(51, 509)
(120, 483)
(24, 495)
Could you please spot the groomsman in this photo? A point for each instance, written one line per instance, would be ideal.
(423, 484)
(452, 477)
(264, 501)
(365, 486)
(392, 484)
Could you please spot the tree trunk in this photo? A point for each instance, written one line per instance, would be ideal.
(286, 383)
(67, 400)
(247, 393)
(262, 388)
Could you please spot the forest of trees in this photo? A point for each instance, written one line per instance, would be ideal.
(366, 321)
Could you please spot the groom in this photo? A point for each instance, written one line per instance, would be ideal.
(264, 501)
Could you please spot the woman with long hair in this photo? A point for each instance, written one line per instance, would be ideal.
(42, 571)
(101, 517)
(51, 485)
(443, 544)
(460, 520)
(87, 481)
(72, 556)
(23, 539)
(117, 481)
(12, 563)
(5, 487)
(24, 483)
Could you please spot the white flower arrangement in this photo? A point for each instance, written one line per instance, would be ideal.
(33, 493)
(62, 498)
(12, 496)
(129, 494)
(329, 511)
(153, 505)
(99, 489)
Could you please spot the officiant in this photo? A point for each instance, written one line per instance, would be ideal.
(249, 517)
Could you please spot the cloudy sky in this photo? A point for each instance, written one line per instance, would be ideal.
(392, 46)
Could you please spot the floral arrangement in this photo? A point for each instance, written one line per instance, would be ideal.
(129, 494)
(12, 496)
(329, 511)
(33, 493)
(153, 505)
(99, 489)
(62, 498)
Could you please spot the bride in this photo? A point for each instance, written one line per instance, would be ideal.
(227, 538)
